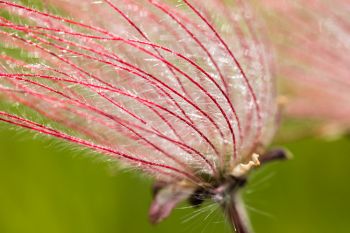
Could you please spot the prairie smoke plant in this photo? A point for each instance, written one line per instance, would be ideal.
(312, 41)
(182, 92)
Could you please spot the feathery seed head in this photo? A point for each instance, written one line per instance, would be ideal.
(184, 92)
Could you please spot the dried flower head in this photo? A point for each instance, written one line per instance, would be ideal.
(182, 92)
(312, 40)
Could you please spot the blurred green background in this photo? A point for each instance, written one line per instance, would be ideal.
(46, 186)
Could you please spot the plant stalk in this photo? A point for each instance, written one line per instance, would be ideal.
(237, 214)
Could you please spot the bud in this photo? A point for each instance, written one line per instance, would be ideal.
(183, 93)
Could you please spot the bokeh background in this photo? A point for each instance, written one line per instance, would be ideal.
(46, 186)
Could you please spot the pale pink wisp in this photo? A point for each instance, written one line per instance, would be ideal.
(312, 41)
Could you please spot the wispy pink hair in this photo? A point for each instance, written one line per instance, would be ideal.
(175, 90)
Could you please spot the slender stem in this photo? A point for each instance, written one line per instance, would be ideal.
(275, 155)
(237, 215)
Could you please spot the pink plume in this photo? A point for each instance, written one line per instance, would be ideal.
(176, 91)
